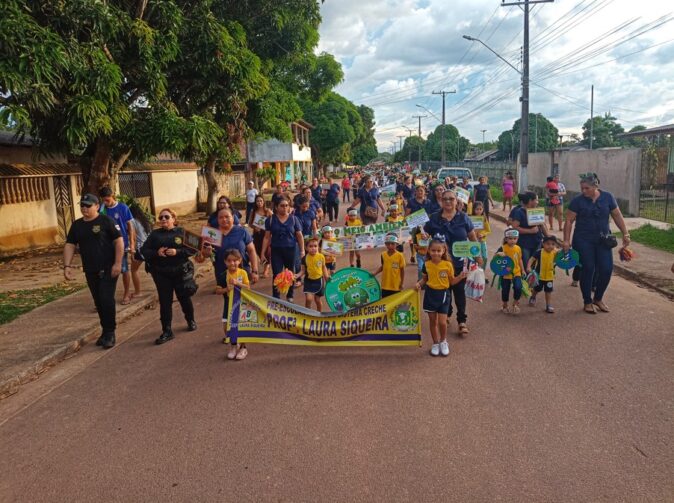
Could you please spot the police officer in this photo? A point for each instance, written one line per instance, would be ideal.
(101, 247)
(169, 263)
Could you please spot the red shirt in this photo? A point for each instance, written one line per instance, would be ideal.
(346, 184)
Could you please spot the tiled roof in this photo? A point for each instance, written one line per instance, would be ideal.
(40, 169)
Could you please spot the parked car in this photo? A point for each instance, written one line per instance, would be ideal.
(460, 173)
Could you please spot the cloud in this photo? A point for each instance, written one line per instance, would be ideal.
(396, 52)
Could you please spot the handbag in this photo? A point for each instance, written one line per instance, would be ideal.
(188, 285)
(371, 212)
(608, 240)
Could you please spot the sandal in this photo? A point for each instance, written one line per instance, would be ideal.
(589, 308)
(463, 329)
(241, 354)
(601, 306)
(126, 301)
(231, 354)
(505, 310)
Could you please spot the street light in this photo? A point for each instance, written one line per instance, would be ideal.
(438, 118)
(524, 121)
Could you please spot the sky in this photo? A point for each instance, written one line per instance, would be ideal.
(395, 53)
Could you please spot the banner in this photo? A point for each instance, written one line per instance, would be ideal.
(392, 321)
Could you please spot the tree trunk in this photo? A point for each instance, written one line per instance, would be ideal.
(212, 182)
(98, 174)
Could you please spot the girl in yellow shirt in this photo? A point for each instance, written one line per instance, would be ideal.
(315, 275)
(510, 249)
(233, 276)
(438, 276)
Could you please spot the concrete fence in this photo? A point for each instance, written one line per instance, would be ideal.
(231, 185)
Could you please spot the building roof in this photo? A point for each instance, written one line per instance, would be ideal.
(305, 124)
(669, 129)
(484, 155)
(40, 169)
(11, 139)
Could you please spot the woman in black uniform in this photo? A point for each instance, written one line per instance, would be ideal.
(169, 263)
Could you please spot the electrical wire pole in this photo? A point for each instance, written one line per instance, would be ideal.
(409, 150)
(419, 117)
(591, 114)
(442, 136)
(524, 121)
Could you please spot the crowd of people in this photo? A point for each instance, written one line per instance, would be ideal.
(288, 237)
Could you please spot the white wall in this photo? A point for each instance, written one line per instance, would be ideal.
(176, 190)
(269, 151)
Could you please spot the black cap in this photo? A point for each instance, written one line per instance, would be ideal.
(550, 238)
(89, 200)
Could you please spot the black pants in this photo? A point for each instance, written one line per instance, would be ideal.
(250, 207)
(346, 195)
(333, 208)
(458, 298)
(282, 257)
(102, 287)
(166, 285)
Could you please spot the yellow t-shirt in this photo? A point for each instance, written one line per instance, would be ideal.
(314, 265)
(398, 218)
(440, 275)
(545, 264)
(240, 276)
(392, 265)
(515, 253)
(354, 223)
(486, 231)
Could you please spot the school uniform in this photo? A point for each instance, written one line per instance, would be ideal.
(437, 296)
(330, 260)
(545, 268)
(227, 278)
(514, 279)
(284, 246)
(313, 276)
(392, 265)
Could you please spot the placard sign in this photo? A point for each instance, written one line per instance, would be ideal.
(417, 219)
(465, 249)
(192, 240)
(478, 222)
(334, 248)
(211, 235)
(462, 195)
(258, 221)
(535, 216)
(388, 191)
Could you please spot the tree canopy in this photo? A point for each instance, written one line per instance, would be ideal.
(543, 137)
(605, 130)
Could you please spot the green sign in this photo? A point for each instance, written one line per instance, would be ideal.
(535, 216)
(351, 287)
(465, 249)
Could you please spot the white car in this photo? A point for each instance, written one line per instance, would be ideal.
(460, 173)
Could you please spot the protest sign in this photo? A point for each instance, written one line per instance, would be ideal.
(417, 219)
(465, 249)
(462, 195)
(351, 287)
(334, 248)
(478, 222)
(388, 191)
(393, 321)
(211, 235)
(258, 221)
(535, 216)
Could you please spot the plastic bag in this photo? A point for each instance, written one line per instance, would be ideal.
(475, 283)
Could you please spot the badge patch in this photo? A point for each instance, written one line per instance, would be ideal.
(96, 229)
(443, 274)
(178, 240)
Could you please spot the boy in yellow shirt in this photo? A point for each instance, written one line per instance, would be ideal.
(392, 267)
(510, 249)
(315, 275)
(544, 262)
(328, 234)
(352, 220)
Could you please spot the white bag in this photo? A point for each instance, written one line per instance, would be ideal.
(475, 282)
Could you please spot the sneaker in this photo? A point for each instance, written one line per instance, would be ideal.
(435, 349)
(109, 341)
(549, 309)
(444, 348)
(231, 354)
(99, 341)
(532, 301)
(515, 309)
(191, 325)
(241, 354)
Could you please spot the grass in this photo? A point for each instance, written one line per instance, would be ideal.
(653, 237)
(656, 211)
(15, 303)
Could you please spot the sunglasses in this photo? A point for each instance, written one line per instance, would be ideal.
(164, 217)
(82, 205)
(449, 198)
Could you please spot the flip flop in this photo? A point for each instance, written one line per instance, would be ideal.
(601, 306)
(589, 309)
(126, 301)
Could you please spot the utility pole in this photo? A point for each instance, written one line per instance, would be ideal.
(442, 136)
(524, 121)
(591, 114)
(409, 150)
(400, 137)
(419, 117)
(483, 132)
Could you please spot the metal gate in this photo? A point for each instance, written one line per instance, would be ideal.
(138, 186)
(656, 197)
(64, 205)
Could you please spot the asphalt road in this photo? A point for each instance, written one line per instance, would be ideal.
(536, 407)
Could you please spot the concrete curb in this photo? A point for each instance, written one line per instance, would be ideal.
(11, 385)
(618, 268)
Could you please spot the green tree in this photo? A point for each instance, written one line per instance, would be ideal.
(455, 145)
(543, 137)
(605, 131)
(412, 147)
(364, 148)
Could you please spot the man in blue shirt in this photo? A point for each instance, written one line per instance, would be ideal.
(121, 214)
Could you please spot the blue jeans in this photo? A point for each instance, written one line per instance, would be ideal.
(421, 260)
(516, 282)
(597, 262)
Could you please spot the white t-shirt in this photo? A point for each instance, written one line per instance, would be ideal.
(251, 194)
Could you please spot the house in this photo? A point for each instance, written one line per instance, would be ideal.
(292, 161)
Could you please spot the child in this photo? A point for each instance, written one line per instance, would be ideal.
(544, 261)
(478, 211)
(314, 272)
(513, 251)
(438, 276)
(420, 241)
(328, 234)
(233, 276)
(394, 216)
(392, 267)
(352, 220)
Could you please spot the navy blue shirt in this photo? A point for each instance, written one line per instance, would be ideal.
(237, 239)
(213, 219)
(368, 198)
(528, 241)
(456, 229)
(408, 192)
(433, 205)
(316, 192)
(592, 218)
(306, 219)
(482, 192)
(415, 205)
(283, 233)
(333, 193)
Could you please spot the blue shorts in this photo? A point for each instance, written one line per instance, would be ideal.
(331, 266)
(436, 301)
(314, 286)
